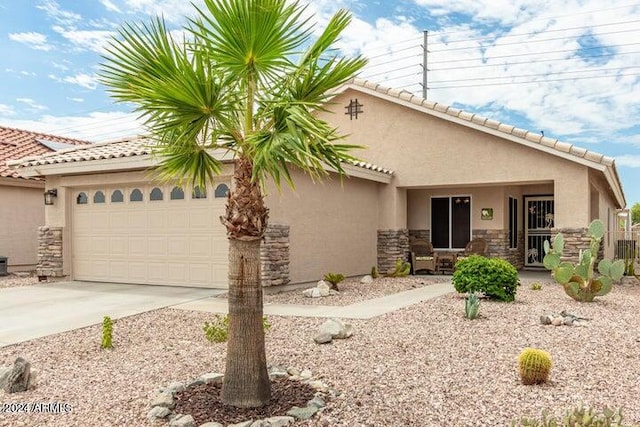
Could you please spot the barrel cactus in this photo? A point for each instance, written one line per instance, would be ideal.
(579, 280)
(534, 366)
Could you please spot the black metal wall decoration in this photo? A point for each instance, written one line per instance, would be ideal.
(353, 109)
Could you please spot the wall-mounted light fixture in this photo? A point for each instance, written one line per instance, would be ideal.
(50, 196)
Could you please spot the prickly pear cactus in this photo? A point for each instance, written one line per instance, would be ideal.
(579, 280)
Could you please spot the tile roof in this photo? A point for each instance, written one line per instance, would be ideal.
(532, 137)
(18, 143)
(136, 146)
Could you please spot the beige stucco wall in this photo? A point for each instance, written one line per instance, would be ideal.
(606, 210)
(21, 213)
(427, 151)
(333, 228)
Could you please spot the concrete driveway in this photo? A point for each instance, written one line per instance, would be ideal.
(35, 311)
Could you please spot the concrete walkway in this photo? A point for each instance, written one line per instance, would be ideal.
(362, 310)
(35, 311)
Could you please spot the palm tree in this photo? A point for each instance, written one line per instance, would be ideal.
(245, 77)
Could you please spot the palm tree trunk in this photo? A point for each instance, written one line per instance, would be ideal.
(246, 381)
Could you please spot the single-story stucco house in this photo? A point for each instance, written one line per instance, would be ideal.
(443, 174)
(21, 198)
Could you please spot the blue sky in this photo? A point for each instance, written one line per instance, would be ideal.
(570, 69)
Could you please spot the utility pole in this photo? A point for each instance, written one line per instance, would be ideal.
(425, 59)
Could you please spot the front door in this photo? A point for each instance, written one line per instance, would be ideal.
(539, 221)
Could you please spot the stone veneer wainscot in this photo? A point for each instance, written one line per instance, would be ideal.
(49, 252)
(392, 244)
(274, 255)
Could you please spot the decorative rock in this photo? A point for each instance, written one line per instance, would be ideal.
(242, 424)
(280, 421)
(182, 421)
(323, 338)
(277, 372)
(366, 279)
(195, 383)
(22, 274)
(294, 372)
(157, 412)
(211, 424)
(324, 288)
(315, 293)
(318, 402)
(546, 319)
(319, 386)
(307, 292)
(19, 377)
(568, 320)
(4, 373)
(306, 374)
(164, 399)
(302, 413)
(336, 328)
(322, 283)
(557, 321)
(211, 378)
(333, 292)
(175, 387)
(261, 423)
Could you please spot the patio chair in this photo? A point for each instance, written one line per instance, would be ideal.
(422, 256)
(474, 247)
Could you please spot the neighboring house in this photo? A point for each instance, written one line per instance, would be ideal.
(451, 176)
(21, 198)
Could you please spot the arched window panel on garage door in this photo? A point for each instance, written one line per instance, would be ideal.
(199, 193)
(156, 194)
(98, 197)
(177, 193)
(221, 190)
(135, 196)
(117, 197)
(81, 198)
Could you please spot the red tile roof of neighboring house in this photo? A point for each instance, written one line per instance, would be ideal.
(18, 143)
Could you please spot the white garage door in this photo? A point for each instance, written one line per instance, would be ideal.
(147, 234)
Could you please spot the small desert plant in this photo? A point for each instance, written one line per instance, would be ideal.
(534, 366)
(107, 332)
(402, 269)
(218, 329)
(374, 272)
(494, 277)
(333, 279)
(535, 286)
(579, 281)
(578, 417)
(471, 306)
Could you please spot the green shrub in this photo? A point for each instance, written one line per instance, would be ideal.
(333, 279)
(578, 417)
(494, 277)
(471, 306)
(218, 329)
(534, 366)
(402, 269)
(374, 272)
(107, 332)
(535, 286)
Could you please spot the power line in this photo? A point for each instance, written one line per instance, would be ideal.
(392, 61)
(593, 70)
(502, 64)
(535, 41)
(399, 50)
(537, 32)
(533, 81)
(534, 53)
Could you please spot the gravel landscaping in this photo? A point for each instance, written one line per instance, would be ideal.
(20, 279)
(425, 365)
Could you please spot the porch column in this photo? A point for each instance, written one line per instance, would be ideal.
(52, 250)
(393, 236)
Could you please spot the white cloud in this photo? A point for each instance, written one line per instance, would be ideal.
(108, 4)
(37, 41)
(86, 81)
(95, 40)
(629, 160)
(171, 10)
(53, 10)
(76, 99)
(32, 104)
(6, 110)
(95, 127)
